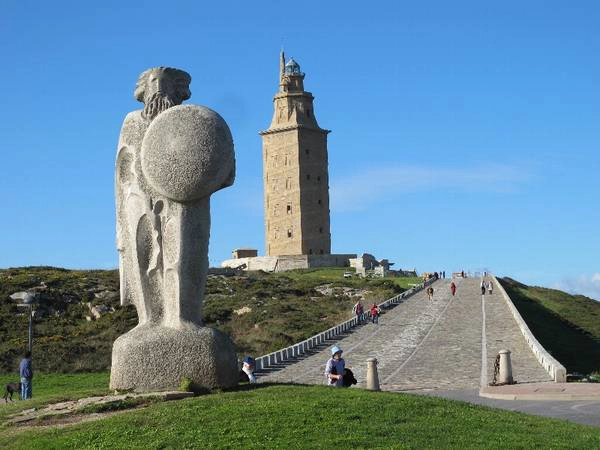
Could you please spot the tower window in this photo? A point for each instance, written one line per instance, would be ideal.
(310, 251)
(320, 229)
(318, 179)
(308, 176)
(320, 202)
(307, 151)
(289, 232)
(289, 208)
(308, 112)
(322, 251)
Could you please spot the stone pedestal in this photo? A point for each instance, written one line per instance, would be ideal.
(505, 374)
(156, 358)
(372, 375)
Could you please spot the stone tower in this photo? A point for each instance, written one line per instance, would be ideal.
(296, 180)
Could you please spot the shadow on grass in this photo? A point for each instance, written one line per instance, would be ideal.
(577, 350)
(254, 386)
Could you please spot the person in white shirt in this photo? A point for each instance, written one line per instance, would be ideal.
(334, 369)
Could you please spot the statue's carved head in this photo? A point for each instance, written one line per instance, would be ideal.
(160, 88)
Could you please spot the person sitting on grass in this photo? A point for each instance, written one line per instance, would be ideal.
(334, 369)
(247, 372)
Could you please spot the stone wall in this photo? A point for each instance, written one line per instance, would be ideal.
(289, 262)
(552, 366)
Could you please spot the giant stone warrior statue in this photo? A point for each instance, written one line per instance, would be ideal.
(170, 159)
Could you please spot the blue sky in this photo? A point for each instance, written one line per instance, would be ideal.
(465, 134)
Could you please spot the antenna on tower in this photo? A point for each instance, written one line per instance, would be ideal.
(281, 65)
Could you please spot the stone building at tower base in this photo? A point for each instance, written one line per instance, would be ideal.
(288, 262)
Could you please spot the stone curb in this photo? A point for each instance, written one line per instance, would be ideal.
(532, 396)
(75, 406)
(543, 391)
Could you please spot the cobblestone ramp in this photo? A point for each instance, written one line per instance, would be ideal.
(502, 332)
(427, 345)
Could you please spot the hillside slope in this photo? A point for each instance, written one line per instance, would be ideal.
(568, 326)
(78, 315)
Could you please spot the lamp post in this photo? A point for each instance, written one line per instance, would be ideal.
(28, 301)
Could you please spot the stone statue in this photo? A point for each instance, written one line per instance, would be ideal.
(170, 159)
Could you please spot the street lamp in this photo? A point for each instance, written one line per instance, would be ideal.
(28, 300)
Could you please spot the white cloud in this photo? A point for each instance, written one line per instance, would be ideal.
(588, 285)
(355, 192)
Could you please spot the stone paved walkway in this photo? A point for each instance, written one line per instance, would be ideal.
(504, 333)
(427, 345)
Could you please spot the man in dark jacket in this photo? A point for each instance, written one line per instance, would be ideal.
(26, 373)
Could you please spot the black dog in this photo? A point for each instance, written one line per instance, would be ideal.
(10, 389)
(348, 378)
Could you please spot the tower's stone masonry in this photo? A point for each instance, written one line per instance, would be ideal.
(296, 179)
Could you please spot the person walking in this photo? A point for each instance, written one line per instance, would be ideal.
(358, 310)
(430, 293)
(483, 286)
(26, 374)
(453, 288)
(490, 287)
(375, 311)
(334, 369)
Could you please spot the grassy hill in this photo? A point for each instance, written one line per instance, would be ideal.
(261, 312)
(291, 416)
(568, 326)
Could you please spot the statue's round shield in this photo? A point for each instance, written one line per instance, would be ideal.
(187, 153)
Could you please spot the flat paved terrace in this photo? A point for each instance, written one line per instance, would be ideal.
(449, 343)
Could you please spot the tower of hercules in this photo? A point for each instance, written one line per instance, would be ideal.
(296, 180)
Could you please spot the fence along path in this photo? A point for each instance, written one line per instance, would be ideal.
(398, 333)
(422, 344)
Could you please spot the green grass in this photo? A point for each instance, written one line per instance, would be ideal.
(568, 326)
(336, 275)
(284, 416)
(52, 388)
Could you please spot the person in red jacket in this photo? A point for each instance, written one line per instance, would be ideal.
(453, 288)
(375, 311)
